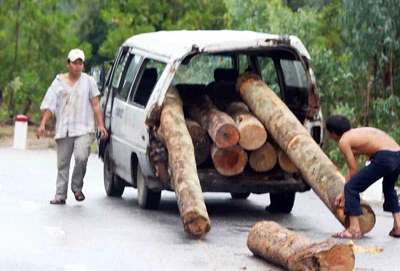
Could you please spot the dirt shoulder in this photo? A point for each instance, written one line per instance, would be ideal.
(7, 138)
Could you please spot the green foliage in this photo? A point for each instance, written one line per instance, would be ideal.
(354, 46)
(386, 115)
(38, 36)
(371, 29)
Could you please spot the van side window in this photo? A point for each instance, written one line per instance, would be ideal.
(151, 71)
(200, 70)
(269, 74)
(294, 73)
(116, 80)
(133, 66)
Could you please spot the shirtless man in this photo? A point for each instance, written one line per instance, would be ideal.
(384, 153)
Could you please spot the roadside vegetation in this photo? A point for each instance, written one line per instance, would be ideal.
(354, 46)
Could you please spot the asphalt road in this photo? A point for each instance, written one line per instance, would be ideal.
(104, 233)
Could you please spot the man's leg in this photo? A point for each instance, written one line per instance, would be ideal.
(82, 149)
(391, 203)
(352, 189)
(395, 232)
(64, 153)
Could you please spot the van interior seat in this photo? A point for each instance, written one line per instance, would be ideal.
(146, 85)
(190, 93)
(222, 91)
(223, 74)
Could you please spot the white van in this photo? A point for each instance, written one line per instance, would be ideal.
(147, 64)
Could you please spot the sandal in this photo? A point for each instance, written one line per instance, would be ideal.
(347, 234)
(79, 196)
(394, 233)
(57, 201)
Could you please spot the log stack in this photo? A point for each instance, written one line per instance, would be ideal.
(236, 138)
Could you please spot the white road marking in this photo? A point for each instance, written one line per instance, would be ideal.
(29, 205)
(55, 231)
(75, 267)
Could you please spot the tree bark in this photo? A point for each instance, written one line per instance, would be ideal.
(252, 133)
(220, 126)
(317, 169)
(285, 163)
(201, 141)
(280, 246)
(264, 158)
(182, 164)
(229, 161)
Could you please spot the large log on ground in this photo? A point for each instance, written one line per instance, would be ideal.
(252, 133)
(220, 126)
(264, 158)
(201, 141)
(182, 164)
(280, 246)
(229, 161)
(316, 168)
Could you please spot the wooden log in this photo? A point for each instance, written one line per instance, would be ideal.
(280, 246)
(158, 154)
(174, 133)
(252, 132)
(229, 161)
(201, 141)
(285, 163)
(264, 158)
(316, 168)
(219, 125)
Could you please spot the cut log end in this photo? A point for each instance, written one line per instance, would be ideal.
(252, 136)
(264, 158)
(227, 136)
(196, 226)
(366, 220)
(229, 161)
(329, 256)
(285, 163)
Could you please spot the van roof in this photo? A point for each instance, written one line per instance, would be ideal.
(177, 44)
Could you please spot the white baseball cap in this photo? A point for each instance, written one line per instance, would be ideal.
(75, 54)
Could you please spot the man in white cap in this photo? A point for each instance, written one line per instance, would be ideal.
(75, 100)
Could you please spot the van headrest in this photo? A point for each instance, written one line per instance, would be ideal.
(221, 74)
(150, 74)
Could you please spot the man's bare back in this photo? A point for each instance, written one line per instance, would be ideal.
(368, 141)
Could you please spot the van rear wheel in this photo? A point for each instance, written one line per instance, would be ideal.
(147, 199)
(113, 184)
(281, 202)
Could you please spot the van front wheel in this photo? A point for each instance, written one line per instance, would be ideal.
(113, 185)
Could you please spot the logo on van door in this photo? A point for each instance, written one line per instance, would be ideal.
(119, 112)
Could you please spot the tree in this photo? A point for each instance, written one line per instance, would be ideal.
(125, 18)
(42, 36)
(372, 32)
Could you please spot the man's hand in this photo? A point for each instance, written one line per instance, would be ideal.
(103, 132)
(41, 131)
(339, 201)
(42, 128)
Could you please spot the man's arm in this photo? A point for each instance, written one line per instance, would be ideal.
(42, 128)
(98, 116)
(351, 159)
